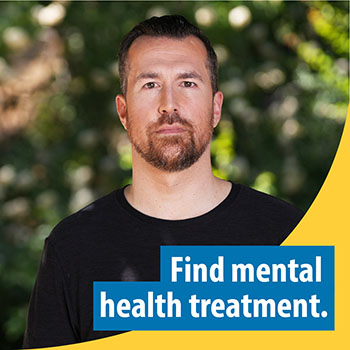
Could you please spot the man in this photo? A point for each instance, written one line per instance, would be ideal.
(169, 107)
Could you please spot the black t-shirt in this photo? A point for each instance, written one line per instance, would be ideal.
(109, 240)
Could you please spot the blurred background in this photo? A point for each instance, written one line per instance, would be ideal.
(284, 71)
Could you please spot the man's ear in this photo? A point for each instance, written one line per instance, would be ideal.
(121, 109)
(217, 105)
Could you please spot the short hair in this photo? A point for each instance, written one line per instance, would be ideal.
(171, 26)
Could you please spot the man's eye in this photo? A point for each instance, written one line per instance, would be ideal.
(188, 84)
(150, 85)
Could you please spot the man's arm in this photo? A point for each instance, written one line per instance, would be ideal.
(50, 317)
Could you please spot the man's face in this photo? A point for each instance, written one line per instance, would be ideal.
(169, 110)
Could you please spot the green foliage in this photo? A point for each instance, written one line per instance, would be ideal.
(284, 72)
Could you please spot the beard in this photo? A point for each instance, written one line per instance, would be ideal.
(172, 153)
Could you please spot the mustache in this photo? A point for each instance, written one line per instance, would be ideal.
(171, 118)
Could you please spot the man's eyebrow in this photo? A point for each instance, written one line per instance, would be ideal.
(184, 75)
(190, 75)
(147, 75)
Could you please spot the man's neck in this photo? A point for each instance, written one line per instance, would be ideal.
(175, 195)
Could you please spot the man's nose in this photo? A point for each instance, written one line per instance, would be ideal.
(167, 103)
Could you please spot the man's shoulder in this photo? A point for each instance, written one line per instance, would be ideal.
(102, 212)
(269, 219)
(263, 202)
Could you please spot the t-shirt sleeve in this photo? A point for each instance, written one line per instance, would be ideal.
(50, 316)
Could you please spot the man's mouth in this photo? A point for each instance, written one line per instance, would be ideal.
(171, 129)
